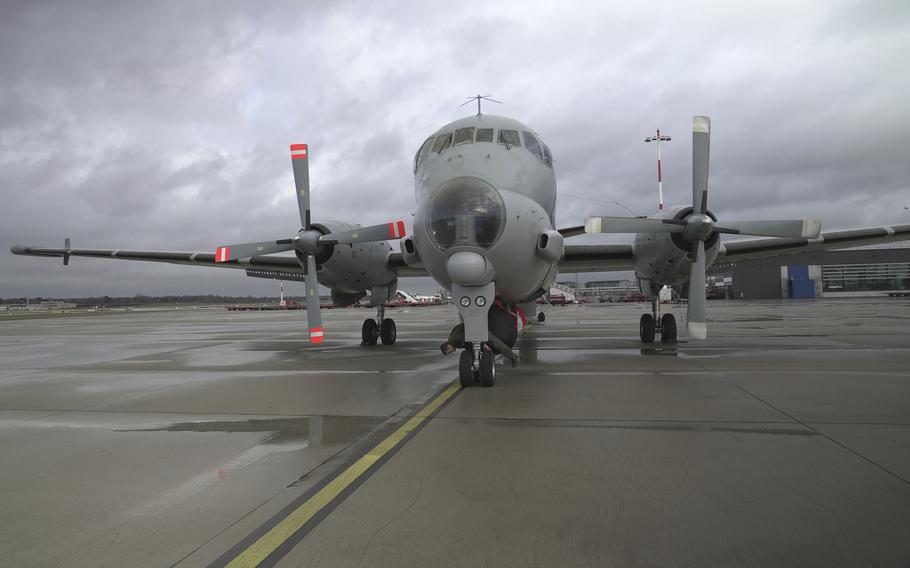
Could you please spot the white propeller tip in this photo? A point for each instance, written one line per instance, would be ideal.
(701, 124)
(594, 225)
(697, 330)
(811, 228)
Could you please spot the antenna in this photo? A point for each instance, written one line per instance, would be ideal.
(479, 98)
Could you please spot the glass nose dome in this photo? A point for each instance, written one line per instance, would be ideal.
(465, 211)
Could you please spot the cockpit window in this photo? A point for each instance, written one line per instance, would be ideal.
(484, 135)
(442, 142)
(532, 144)
(509, 137)
(547, 157)
(422, 153)
(464, 136)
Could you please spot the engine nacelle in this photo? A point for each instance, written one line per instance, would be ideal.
(352, 269)
(663, 258)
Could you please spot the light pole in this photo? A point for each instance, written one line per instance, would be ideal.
(660, 182)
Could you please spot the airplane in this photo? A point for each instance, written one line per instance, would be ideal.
(484, 228)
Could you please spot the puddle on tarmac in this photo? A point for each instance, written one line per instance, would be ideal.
(316, 430)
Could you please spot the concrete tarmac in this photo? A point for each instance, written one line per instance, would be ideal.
(169, 438)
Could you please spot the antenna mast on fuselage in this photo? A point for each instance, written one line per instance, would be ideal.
(479, 98)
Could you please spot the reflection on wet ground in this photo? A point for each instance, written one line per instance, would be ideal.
(316, 430)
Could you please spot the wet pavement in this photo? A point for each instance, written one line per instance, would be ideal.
(163, 438)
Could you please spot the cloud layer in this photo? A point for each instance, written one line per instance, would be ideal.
(165, 125)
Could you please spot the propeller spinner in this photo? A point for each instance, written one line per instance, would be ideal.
(308, 241)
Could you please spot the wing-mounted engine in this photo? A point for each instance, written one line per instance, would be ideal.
(351, 268)
(685, 239)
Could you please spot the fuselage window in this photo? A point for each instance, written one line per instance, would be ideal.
(532, 145)
(442, 142)
(422, 153)
(484, 135)
(464, 136)
(547, 157)
(509, 137)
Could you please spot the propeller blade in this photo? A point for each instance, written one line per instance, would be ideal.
(795, 229)
(632, 225)
(246, 250)
(701, 151)
(695, 312)
(300, 161)
(369, 234)
(313, 314)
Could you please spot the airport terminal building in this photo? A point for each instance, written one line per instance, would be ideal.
(865, 271)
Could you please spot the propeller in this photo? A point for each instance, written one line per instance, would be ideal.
(308, 241)
(699, 226)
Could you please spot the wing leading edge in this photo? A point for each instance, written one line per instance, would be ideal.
(769, 248)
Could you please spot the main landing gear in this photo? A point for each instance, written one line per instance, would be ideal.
(380, 328)
(648, 325)
(476, 365)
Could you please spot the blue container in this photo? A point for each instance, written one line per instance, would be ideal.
(802, 288)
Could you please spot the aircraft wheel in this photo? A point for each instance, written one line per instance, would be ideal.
(646, 328)
(388, 332)
(541, 317)
(368, 332)
(668, 327)
(487, 369)
(465, 372)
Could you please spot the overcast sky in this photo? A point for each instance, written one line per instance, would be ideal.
(165, 125)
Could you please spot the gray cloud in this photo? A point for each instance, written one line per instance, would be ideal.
(165, 125)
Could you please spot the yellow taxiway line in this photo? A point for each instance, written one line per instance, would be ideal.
(277, 535)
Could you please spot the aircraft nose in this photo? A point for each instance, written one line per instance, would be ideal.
(465, 211)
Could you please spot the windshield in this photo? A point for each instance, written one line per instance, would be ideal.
(465, 211)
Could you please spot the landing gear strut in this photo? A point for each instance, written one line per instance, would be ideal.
(476, 365)
(653, 323)
(379, 328)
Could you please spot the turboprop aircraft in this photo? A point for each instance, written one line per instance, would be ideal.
(484, 227)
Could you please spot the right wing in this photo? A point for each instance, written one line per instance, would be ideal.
(270, 266)
(736, 251)
(285, 264)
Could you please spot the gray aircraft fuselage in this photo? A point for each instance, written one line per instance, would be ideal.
(493, 200)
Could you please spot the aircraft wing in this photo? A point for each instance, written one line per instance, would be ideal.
(768, 248)
(280, 263)
(597, 258)
(266, 263)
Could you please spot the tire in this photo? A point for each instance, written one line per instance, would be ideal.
(646, 328)
(541, 317)
(368, 332)
(487, 369)
(465, 372)
(388, 333)
(668, 328)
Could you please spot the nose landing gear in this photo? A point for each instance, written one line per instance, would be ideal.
(380, 328)
(476, 365)
(652, 324)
